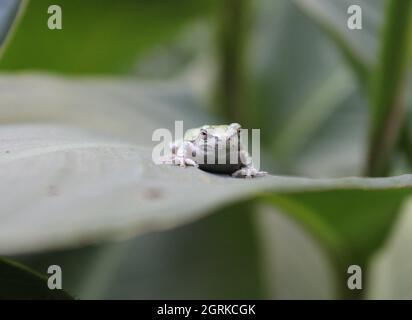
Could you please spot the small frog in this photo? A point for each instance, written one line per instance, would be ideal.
(211, 148)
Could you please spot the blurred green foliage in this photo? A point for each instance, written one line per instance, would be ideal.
(388, 87)
(98, 36)
(277, 71)
(351, 234)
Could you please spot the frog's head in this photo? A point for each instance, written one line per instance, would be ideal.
(210, 138)
(216, 146)
(219, 133)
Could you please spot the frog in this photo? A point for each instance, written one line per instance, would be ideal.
(212, 148)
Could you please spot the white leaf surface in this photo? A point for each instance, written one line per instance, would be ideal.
(61, 186)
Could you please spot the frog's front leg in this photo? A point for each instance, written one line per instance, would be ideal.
(247, 170)
(183, 155)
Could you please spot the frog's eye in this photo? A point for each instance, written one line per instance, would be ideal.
(203, 134)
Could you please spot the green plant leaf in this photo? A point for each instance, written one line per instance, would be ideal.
(19, 282)
(97, 36)
(80, 190)
(80, 180)
(126, 194)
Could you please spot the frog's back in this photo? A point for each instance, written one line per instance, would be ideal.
(191, 134)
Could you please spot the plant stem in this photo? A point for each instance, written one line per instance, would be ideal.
(231, 83)
(388, 86)
(405, 142)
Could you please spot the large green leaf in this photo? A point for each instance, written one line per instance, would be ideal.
(19, 282)
(79, 180)
(71, 188)
(97, 36)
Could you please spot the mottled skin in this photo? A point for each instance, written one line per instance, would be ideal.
(210, 148)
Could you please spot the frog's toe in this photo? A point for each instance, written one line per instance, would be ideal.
(173, 160)
(260, 173)
(241, 173)
(248, 172)
(191, 162)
